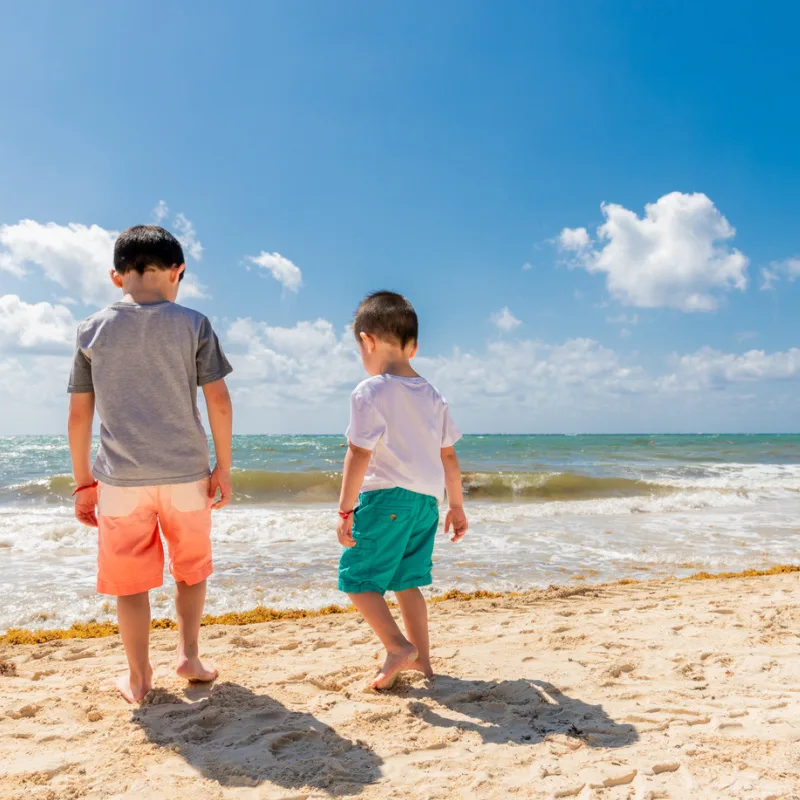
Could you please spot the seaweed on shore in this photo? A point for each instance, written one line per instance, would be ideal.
(96, 630)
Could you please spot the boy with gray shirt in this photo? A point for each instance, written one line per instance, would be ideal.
(140, 361)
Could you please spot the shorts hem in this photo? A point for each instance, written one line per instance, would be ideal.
(196, 576)
(360, 588)
(411, 583)
(125, 589)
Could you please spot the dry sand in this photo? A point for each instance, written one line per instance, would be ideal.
(667, 689)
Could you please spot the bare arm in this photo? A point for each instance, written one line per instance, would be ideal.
(356, 462)
(220, 418)
(79, 427)
(455, 495)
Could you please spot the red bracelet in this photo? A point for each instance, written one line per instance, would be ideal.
(84, 488)
(346, 514)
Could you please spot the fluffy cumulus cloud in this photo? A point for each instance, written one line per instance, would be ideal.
(298, 378)
(574, 239)
(533, 374)
(282, 269)
(34, 327)
(678, 255)
(305, 364)
(504, 320)
(77, 257)
(712, 369)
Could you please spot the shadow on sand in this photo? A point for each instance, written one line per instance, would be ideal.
(522, 711)
(238, 738)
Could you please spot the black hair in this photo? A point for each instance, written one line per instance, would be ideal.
(388, 316)
(144, 246)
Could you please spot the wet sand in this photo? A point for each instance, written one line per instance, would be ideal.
(673, 689)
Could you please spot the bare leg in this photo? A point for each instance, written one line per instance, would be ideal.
(399, 651)
(133, 615)
(189, 604)
(415, 618)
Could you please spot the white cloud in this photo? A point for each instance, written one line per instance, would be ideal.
(530, 374)
(527, 266)
(789, 269)
(192, 289)
(305, 364)
(675, 256)
(744, 336)
(769, 278)
(160, 212)
(712, 369)
(79, 257)
(76, 257)
(574, 239)
(187, 236)
(792, 267)
(298, 378)
(504, 320)
(283, 270)
(37, 327)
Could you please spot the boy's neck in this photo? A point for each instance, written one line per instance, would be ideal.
(397, 365)
(144, 298)
(144, 290)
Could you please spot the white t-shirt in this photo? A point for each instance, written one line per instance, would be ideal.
(405, 422)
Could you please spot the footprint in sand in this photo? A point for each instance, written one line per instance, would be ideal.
(291, 743)
(240, 641)
(79, 654)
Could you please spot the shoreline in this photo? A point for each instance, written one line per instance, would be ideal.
(261, 614)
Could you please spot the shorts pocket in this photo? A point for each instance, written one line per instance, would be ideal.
(377, 520)
(118, 501)
(187, 497)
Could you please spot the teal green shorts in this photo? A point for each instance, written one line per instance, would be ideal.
(394, 531)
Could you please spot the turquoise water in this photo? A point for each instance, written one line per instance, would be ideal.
(543, 509)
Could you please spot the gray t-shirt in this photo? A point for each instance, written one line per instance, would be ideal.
(144, 364)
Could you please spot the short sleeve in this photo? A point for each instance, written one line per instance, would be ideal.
(80, 378)
(367, 424)
(450, 433)
(211, 362)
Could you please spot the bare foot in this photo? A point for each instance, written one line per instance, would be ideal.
(395, 663)
(134, 689)
(191, 669)
(419, 666)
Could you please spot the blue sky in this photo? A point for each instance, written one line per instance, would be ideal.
(433, 148)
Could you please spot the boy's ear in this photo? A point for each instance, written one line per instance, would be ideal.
(368, 341)
(116, 278)
(413, 351)
(178, 276)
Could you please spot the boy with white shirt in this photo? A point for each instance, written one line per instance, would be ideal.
(399, 461)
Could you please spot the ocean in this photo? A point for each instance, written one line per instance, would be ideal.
(543, 510)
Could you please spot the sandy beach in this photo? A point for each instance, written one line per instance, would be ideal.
(673, 689)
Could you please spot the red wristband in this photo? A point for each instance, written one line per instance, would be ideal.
(346, 514)
(84, 488)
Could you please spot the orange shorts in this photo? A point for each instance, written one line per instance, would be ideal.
(131, 556)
